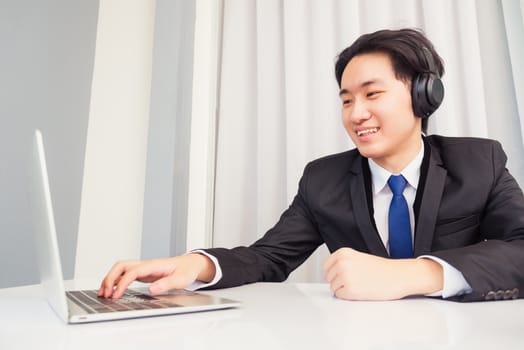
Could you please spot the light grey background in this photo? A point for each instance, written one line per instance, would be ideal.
(166, 188)
(46, 65)
(46, 69)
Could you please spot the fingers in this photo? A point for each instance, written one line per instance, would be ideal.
(337, 255)
(336, 284)
(328, 263)
(125, 280)
(113, 277)
(334, 276)
(334, 260)
(122, 274)
(337, 267)
(166, 274)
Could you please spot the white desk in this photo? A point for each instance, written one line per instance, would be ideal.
(273, 316)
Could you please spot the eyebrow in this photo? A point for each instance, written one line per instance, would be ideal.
(364, 84)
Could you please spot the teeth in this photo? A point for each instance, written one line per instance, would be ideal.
(367, 131)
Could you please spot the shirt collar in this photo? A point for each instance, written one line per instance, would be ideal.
(380, 176)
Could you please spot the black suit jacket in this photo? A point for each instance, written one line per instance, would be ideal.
(469, 211)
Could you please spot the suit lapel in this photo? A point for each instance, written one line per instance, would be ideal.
(430, 199)
(361, 210)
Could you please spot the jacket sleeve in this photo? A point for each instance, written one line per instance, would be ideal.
(274, 256)
(494, 267)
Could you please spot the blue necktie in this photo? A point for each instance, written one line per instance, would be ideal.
(398, 219)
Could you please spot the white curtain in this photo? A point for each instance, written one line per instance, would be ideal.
(278, 98)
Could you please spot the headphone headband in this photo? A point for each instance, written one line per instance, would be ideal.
(428, 57)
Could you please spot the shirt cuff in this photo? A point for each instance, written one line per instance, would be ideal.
(218, 273)
(454, 281)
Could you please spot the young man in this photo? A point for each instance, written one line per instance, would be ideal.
(402, 214)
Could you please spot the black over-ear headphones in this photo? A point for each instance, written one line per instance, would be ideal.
(427, 90)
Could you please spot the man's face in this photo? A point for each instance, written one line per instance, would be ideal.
(377, 112)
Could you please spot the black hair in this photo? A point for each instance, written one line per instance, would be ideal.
(407, 49)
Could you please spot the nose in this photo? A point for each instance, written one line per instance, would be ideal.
(358, 113)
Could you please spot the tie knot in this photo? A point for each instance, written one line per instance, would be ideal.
(397, 183)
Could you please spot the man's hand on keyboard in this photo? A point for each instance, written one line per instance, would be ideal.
(164, 274)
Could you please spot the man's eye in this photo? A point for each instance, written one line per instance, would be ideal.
(373, 93)
(347, 102)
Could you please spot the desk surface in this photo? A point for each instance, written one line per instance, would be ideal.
(273, 316)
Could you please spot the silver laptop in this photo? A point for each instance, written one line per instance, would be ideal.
(83, 305)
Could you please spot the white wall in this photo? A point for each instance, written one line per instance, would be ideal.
(111, 210)
(203, 128)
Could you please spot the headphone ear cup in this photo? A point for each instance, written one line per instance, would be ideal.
(427, 93)
(435, 92)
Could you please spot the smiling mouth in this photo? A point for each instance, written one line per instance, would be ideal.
(367, 131)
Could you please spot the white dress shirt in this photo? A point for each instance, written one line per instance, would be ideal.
(454, 281)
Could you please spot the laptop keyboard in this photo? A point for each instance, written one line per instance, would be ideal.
(131, 300)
